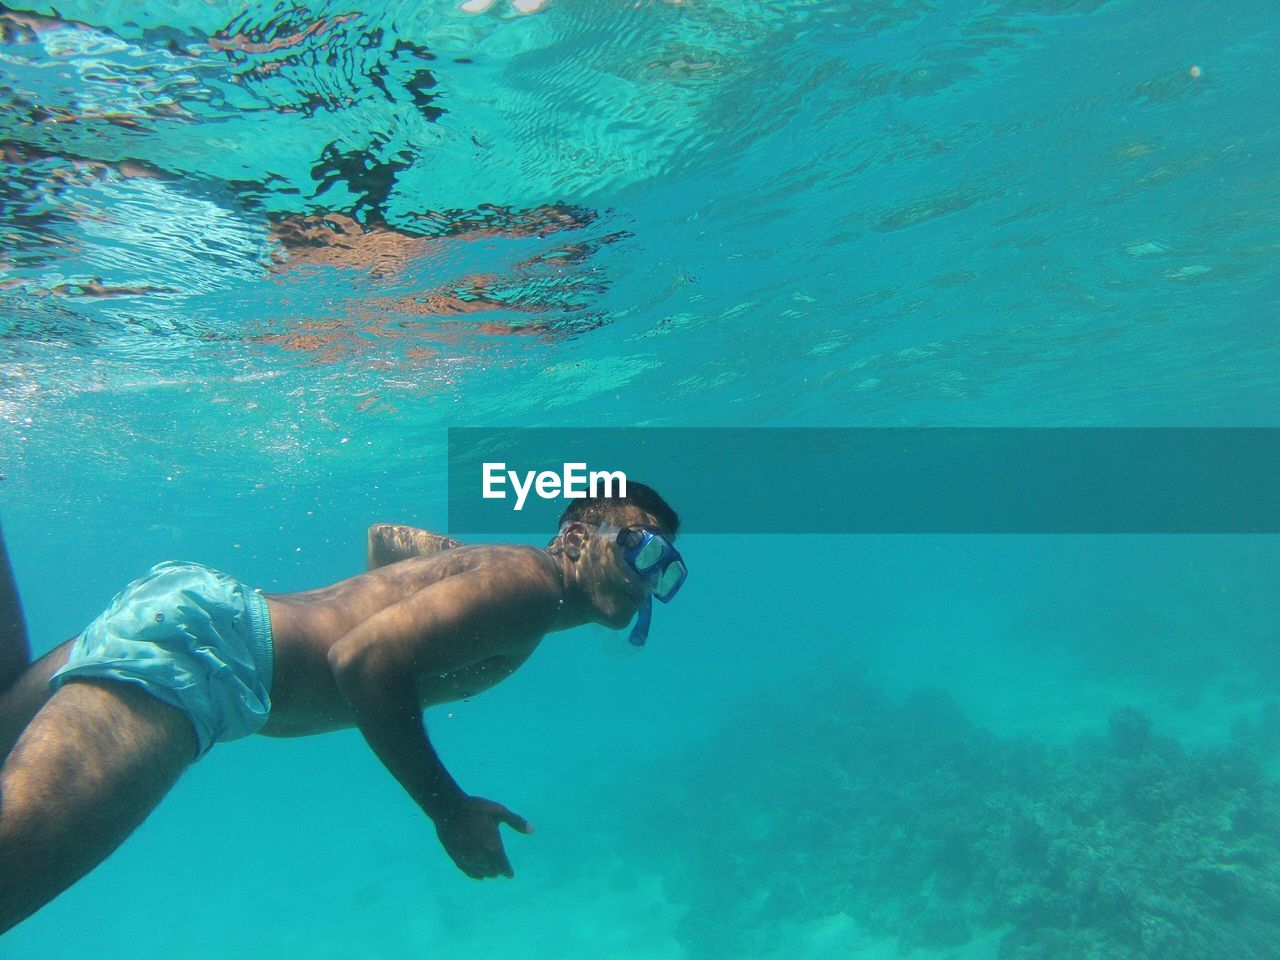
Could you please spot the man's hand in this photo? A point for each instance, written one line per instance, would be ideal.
(469, 834)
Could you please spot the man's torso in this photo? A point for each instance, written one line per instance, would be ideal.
(305, 626)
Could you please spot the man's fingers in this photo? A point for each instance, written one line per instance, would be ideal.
(483, 864)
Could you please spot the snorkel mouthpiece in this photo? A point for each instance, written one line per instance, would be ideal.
(640, 632)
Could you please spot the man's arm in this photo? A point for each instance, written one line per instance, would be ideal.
(380, 687)
(391, 542)
(442, 628)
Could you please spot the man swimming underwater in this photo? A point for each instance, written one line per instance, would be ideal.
(97, 731)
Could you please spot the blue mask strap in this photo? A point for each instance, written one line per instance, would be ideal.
(640, 632)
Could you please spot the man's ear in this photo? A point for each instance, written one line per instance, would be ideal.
(574, 538)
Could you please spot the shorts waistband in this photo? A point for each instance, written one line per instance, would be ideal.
(260, 645)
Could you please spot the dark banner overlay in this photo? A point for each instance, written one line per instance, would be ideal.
(883, 480)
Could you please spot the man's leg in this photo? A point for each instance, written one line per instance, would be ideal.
(86, 771)
(24, 698)
(15, 650)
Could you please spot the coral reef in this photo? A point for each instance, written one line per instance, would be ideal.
(916, 824)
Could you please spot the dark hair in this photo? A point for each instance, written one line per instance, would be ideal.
(604, 509)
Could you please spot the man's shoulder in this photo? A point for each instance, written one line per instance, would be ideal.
(522, 578)
(516, 561)
(509, 593)
(495, 565)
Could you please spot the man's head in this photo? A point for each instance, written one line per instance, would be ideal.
(608, 584)
(641, 506)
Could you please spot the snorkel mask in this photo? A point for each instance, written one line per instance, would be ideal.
(651, 556)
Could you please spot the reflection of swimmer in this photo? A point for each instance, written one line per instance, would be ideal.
(381, 319)
(96, 732)
(243, 43)
(373, 322)
(339, 240)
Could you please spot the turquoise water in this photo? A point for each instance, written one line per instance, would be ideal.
(255, 264)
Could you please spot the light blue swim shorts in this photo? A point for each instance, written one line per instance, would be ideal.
(192, 637)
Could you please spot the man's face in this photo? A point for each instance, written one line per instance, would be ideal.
(615, 589)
